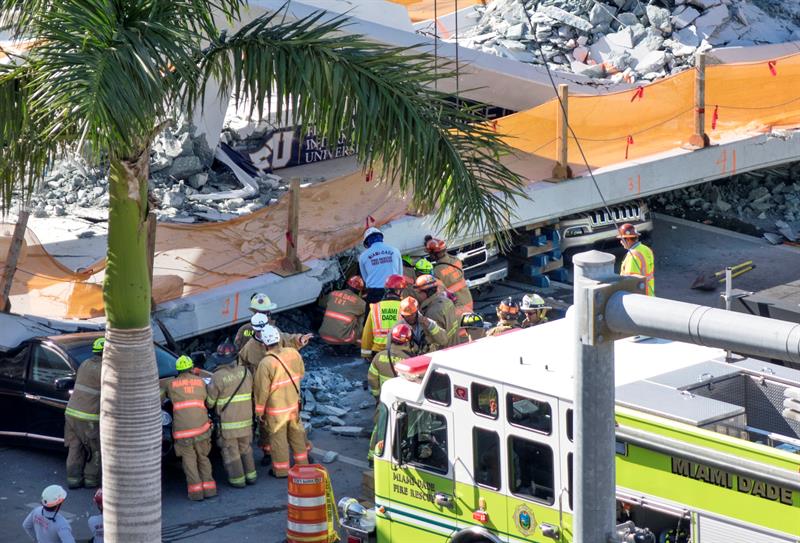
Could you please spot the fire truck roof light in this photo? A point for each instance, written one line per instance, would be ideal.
(413, 368)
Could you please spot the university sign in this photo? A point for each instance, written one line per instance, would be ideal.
(288, 147)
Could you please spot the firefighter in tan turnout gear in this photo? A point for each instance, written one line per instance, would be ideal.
(191, 428)
(344, 314)
(82, 422)
(508, 317)
(277, 401)
(230, 394)
(382, 367)
(426, 334)
(435, 304)
(450, 271)
(260, 304)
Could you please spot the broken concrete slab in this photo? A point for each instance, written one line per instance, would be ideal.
(565, 17)
(659, 18)
(685, 17)
(347, 431)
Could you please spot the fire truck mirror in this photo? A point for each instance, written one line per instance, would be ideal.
(400, 449)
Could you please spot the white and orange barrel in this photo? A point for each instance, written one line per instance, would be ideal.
(312, 515)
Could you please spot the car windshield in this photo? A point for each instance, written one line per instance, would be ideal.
(164, 358)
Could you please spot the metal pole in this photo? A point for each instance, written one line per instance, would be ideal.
(635, 314)
(562, 170)
(728, 287)
(700, 138)
(595, 490)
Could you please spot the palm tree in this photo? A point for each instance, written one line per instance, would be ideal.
(100, 77)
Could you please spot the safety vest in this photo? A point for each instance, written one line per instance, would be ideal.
(277, 386)
(344, 312)
(449, 270)
(231, 389)
(639, 262)
(187, 392)
(382, 318)
(84, 404)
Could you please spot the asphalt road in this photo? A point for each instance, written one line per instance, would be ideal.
(258, 513)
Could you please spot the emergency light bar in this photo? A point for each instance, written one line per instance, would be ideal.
(413, 369)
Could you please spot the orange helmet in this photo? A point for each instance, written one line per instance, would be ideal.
(401, 333)
(356, 283)
(627, 231)
(434, 245)
(425, 282)
(508, 307)
(395, 282)
(408, 306)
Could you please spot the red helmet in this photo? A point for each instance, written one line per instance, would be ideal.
(395, 282)
(627, 231)
(434, 245)
(98, 499)
(356, 283)
(425, 282)
(401, 333)
(408, 306)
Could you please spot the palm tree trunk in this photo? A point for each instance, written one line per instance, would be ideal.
(130, 416)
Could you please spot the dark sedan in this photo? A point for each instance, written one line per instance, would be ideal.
(36, 380)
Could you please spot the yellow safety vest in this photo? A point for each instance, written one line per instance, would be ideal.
(640, 262)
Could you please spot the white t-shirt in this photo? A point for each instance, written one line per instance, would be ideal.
(96, 527)
(379, 262)
(43, 527)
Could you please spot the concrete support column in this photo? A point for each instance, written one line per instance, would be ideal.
(594, 470)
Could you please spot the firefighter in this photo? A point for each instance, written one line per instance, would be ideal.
(277, 400)
(382, 316)
(450, 271)
(377, 263)
(344, 314)
(44, 524)
(191, 428)
(259, 303)
(435, 304)
(423, 267)
(535, 309)
(508, 317)
(95, 522)
(82, 422)
(253, 351)
(426, 335)
(382, 367)
(408, 269)
(472, 328)
(639, 260)
(230, 394)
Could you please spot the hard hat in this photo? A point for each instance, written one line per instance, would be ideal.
(423, 266)
(356, 283)
(269, 335)
(395, 282)
(371, 231)
(425, 282)
(508, 307)
(184, 363)
(434, 245)
(627, 231)
(226, 353)
(261, 302)
(408, 306)
(401, 333)
(53, 496)
(471, 320)
(98, 345)
(98, 499)
(408, 259)
(533, 302)
(259, 321)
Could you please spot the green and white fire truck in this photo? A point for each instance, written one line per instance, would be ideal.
(475, 444)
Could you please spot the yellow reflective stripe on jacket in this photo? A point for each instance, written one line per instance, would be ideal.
(236, 425)
(82, 415)
(238, 398)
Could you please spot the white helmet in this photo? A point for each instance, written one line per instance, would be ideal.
(370, 231)
(53, 496)
(269, 335)
(259, 321)
(533, 302)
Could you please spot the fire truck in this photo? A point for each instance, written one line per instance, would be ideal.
(475, 444)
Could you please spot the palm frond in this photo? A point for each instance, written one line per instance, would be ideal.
(383, 99)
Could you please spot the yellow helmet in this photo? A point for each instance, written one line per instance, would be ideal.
(98, 345)
(184, 363)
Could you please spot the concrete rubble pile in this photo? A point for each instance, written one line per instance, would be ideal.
(179, 172)
(626, 40)
(762, 201)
